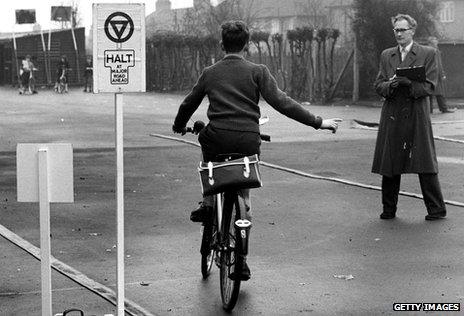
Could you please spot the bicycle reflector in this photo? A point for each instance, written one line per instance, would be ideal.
(243, 225)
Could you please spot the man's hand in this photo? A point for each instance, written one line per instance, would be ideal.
(331, 124)
(179, 130)
(400, 81)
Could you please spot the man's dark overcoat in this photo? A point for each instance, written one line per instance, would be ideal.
(405, 139)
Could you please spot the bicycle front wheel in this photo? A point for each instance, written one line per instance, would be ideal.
(231, 262)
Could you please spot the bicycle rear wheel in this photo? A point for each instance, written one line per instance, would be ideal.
(231, 262)
(207, 245)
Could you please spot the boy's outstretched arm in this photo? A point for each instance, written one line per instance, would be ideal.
(190, 104)
(284, 104)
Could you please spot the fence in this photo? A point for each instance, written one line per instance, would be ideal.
(174, 62)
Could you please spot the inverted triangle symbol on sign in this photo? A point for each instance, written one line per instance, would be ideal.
(119, 27)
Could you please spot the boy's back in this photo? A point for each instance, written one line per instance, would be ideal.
(233, 86)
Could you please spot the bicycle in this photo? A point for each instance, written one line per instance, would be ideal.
(29, 87)
(62, 83)
(225, 236)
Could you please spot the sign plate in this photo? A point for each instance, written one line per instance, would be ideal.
(60, 172)
(119, 47)
(119, 61)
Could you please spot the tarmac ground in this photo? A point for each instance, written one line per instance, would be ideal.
(308, 237)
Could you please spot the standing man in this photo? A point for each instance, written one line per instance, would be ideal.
(439, 91)
(405, 140)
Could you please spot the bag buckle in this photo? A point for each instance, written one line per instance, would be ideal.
(210, 173)
(246, 171)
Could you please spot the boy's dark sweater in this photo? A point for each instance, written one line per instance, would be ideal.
(233, 86)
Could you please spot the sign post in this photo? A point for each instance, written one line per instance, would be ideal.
(45, 248)
(119, 66)
(46, 178)
(118, 113)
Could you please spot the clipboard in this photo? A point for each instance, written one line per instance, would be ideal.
(415, 73)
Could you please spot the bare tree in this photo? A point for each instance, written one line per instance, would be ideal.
(206, 19)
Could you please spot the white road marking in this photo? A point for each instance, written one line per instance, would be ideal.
(454, 160)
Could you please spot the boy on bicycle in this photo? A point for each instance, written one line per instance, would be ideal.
(62, 73)
(233, 86)
(25, 73)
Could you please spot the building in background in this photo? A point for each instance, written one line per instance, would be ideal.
(450, 26)
(450, 22)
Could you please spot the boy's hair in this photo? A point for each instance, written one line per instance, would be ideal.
(412, 23)
(235, 35)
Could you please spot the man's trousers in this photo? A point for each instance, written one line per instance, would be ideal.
(430, 187)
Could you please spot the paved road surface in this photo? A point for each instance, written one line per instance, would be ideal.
(305, 231)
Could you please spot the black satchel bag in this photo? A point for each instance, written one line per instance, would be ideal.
(217, 177)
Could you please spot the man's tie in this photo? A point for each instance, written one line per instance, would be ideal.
(403, 53)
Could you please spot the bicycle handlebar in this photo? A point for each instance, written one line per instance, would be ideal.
(199, 125)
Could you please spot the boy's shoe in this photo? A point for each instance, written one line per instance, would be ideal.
(244, 275)
(201, 214)
(387, 215)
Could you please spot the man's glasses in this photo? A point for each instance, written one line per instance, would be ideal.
(400, 30)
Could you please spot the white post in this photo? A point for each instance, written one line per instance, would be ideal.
(44, 205)
(118, 99)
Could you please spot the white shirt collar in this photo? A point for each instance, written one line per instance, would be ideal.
(407, 48)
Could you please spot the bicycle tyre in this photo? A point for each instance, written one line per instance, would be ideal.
(230, 259)
(207, 251)
(60, 87)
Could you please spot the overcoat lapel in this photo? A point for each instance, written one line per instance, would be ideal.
(410, 57)
(395, 59)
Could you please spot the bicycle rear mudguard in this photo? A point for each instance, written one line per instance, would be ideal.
(243, 227)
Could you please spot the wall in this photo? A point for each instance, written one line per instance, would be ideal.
(453, 63)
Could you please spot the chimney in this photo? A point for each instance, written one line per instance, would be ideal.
(163, 5)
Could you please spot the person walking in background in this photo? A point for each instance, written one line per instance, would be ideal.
(405, 140)
(439, 91)
(88, 75)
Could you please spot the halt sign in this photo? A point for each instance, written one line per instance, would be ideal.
(118, 47)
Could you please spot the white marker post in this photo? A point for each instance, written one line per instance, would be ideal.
(119, 66)
(45, 248)
(45, 175)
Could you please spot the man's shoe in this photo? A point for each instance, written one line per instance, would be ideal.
(244, 275)
(434, 217)
(387, 215)
(201, 214)
(448, 111)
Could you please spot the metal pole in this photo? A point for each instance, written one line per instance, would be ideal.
(355, 70)
(118, 100)
(77, 55)
(44, 205)
(47, 73)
